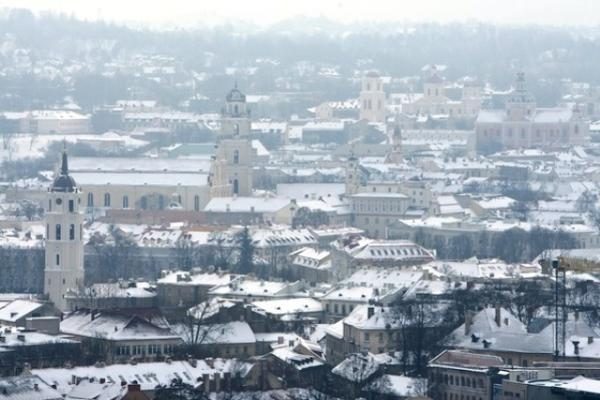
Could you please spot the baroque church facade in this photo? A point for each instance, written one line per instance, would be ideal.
(521, 124)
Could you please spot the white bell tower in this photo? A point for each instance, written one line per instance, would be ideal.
(63, 272)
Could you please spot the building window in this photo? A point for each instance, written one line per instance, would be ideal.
(196, 203)
(236, 156)
(144, 203)
(236, 186)
(58, 259)
(125, 202)
(72, 232)
(367, 336)
(90, 200)
(71, 205)
(47, 231)
(161, 202)
(49, 205)
(57, 233)
(106, 199)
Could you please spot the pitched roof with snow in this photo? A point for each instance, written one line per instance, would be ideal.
(113, 327)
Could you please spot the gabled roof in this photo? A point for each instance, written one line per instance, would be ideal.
(17, 309)
(114, 327)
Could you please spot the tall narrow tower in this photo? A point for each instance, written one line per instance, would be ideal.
(372, 98)
(354, 176)
(394, 156)
(63, 271)
(231, 169)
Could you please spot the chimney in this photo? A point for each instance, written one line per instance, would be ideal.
(227, 381)
(498, 316)
(575, 347)
(279, 339)
(486, 344)
(217, 382)
(468, 322)
(370, 311)
(590, 339)
(206, 380)
(134, 387)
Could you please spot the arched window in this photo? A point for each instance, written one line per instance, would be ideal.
(196, 203)
(236, 109)
(236, 156)
(72, 232)
(236, 186)
(125, 202)
(58, 259)
(106, 199)
(90, 200)
(58, 232)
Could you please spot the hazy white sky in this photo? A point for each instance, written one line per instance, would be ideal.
(190, 12)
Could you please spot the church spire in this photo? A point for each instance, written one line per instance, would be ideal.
(64, 169)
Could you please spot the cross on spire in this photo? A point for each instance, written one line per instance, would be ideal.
(64, 169)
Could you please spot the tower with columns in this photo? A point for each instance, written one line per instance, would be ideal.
(63, 271)
(372, 98)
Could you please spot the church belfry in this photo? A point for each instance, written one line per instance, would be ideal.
(394, 156)
(372, 98)
(520, 105)
(63, 270)
(235, 116)
(231, 169)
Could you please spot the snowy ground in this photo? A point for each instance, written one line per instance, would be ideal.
(25, 145)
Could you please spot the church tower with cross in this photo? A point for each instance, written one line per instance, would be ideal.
(63, 271)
